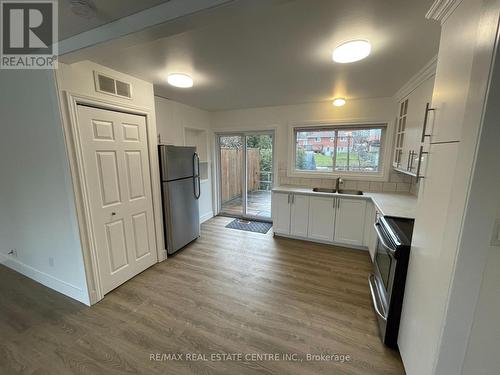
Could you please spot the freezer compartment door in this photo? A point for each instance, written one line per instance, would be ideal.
(176, 162)
(182, 218)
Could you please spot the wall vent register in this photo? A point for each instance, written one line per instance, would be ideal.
(112, 86)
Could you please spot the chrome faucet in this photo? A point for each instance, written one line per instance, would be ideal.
(338, 182)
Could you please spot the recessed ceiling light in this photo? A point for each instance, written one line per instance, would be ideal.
(180, 80)
(338, 102)
(351, 51)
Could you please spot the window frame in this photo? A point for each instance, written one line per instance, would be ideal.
(385, 147)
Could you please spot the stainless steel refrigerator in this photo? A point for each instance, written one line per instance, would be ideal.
(180, 183)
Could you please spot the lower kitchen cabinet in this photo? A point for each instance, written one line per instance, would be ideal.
(321, 218)
(335, 219)
(290, 214)
(298, 215)
(350, 221)
(280, 206)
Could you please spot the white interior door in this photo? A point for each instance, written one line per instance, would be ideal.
(116, 166)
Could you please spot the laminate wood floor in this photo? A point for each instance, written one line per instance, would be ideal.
(228, 292)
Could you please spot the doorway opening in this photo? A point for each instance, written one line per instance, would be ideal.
(246, 176)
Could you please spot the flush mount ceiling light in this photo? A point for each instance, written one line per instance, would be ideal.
(338, 102)
(351, 51)
(180, 80)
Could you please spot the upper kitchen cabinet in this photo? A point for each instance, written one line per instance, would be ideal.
(410, 126)
(458, 35)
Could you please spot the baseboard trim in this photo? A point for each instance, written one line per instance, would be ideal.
(355, 247)
(206, 216)
(45, 279)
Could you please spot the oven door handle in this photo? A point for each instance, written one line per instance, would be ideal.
(382, 241)
(371, 282)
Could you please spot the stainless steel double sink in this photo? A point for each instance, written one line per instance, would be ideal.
(341, 191)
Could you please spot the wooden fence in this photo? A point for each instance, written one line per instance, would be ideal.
(231, 161)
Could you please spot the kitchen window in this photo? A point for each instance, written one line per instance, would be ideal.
(353, 150)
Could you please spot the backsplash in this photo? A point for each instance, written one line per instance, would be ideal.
(398, 182)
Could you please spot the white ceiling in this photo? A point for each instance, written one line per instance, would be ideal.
(105, 11)
(283, 55)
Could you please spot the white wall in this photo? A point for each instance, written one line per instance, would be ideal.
(282, 118)
(78, 79)
(172, 118)
(37, 215)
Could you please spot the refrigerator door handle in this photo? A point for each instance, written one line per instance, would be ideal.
(196, 176)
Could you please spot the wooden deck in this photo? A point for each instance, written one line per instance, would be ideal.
(230, 291)
(258, 204)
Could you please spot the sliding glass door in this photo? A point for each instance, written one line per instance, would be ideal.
(231, 173)
(246, 174)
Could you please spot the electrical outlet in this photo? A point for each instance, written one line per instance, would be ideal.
(495, 238)
(51, 262)
(12, 253)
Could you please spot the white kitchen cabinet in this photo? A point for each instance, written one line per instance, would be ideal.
(415, 122)
(430, 266)
(410, 124)
(281, 209)
(453, 74)
(290, 214)
(321, 218)
(332, 219)
(299, 208)
(350, 221)
(433, 324)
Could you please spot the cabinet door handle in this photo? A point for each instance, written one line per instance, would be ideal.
(419, 165)
(288, 198)
(408, 162)
(412, 155)
(426, 117)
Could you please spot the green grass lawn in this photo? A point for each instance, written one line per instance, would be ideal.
(326, 161)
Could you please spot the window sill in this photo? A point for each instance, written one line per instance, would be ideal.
(380, 176)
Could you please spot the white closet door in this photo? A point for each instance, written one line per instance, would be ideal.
(116, 166)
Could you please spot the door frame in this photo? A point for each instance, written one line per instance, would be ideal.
(242, 133)
(82, 200)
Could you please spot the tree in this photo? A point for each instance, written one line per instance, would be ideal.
(305, 160)
(361, 147)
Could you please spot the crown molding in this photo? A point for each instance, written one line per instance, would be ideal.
(423, 74)
(440, 10)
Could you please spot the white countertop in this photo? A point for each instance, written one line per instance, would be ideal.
(388, 204)
(395, 204)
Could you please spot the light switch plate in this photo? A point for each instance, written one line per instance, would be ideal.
(495, 238)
